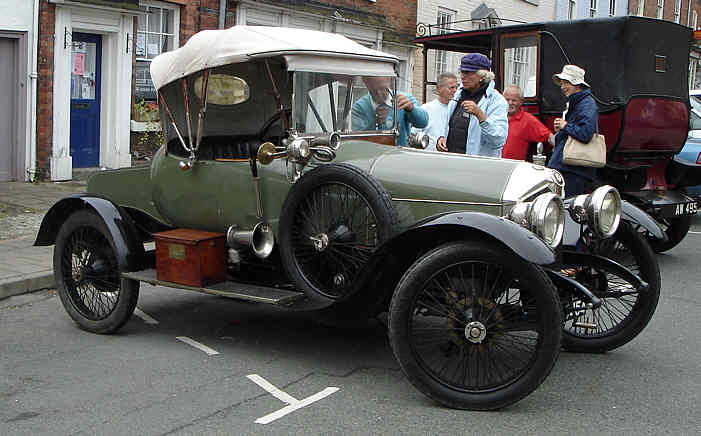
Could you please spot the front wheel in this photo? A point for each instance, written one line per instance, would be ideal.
(676, 230)
(475, 327)
(87, 275)
(625, 311)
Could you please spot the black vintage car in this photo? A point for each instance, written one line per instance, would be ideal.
(638, 71)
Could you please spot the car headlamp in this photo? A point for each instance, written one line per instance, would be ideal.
(603, 210)
(544, 216)
(299, 149)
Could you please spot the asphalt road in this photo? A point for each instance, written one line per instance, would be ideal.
(57, 379)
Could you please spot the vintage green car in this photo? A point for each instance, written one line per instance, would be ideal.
(263, 165)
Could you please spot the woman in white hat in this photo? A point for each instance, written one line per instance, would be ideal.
(580, 123)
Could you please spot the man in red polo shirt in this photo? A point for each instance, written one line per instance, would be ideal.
(524, 128)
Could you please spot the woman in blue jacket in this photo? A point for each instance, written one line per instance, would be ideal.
(580, 123)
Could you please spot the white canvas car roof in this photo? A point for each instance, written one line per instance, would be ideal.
(304, 50)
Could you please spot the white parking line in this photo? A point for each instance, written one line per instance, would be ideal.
(144, 316)
(197, 345)
(275, 392)
(695, 233)
(292, 403)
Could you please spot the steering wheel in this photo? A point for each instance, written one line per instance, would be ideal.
(268, 130)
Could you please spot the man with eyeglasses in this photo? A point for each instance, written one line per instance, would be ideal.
(374, 111)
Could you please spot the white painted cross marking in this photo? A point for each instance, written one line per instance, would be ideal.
(292, 403)
(197, 345)
(145, 316)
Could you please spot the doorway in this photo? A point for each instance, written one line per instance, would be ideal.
(86, 69)
(9, 109)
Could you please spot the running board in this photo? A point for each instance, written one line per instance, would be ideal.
(239, 291)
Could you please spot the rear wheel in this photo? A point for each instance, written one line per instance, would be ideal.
(88, 279)
(475, 327)
(625, 311)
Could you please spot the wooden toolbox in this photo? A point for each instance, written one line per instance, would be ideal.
(190, 257)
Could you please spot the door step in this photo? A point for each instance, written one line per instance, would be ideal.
(239, 291)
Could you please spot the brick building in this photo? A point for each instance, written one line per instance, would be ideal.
(94, 57)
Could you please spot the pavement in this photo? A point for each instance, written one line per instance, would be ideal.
(23, 267)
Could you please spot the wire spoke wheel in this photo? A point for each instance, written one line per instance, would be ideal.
(333, 220)
(676, 230)
(625, 310)
(88, 278)
(475, 327)
(337, 233)
(90, 273)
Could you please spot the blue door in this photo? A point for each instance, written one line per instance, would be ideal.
(85, 99)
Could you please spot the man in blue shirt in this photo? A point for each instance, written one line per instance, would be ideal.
(374, 111)
(478, 122)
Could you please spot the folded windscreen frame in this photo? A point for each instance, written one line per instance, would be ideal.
(239, 99)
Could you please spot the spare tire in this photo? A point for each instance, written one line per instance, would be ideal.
(332, 221)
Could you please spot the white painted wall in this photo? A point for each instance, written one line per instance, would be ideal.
(16, 15)
(582, 8)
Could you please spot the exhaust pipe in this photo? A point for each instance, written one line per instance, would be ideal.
(261, 239)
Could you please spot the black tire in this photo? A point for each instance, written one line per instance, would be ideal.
(87, 275)
(484, 284)
(676, 230)
(625, 311)
(348, 213)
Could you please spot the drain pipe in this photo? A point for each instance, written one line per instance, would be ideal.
(222, 14)
(34, 76)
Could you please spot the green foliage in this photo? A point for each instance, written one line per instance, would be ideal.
(152, 138)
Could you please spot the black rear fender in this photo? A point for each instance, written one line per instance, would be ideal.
(127, 245)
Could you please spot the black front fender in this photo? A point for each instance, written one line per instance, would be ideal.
(636, 216)
(576, 258)
(459, 225)
(128, 249)
(373, 288)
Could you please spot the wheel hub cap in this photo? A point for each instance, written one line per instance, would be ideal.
(475, 332)
(320, 241)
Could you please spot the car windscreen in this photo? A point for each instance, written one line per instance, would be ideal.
(325, 103)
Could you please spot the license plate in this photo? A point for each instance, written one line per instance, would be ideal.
(689, 208)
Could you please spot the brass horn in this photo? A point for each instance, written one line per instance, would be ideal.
(261, 239)
(267, 153)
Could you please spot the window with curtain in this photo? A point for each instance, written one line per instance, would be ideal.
(444, 20)
(677, 10)
(156, 33)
